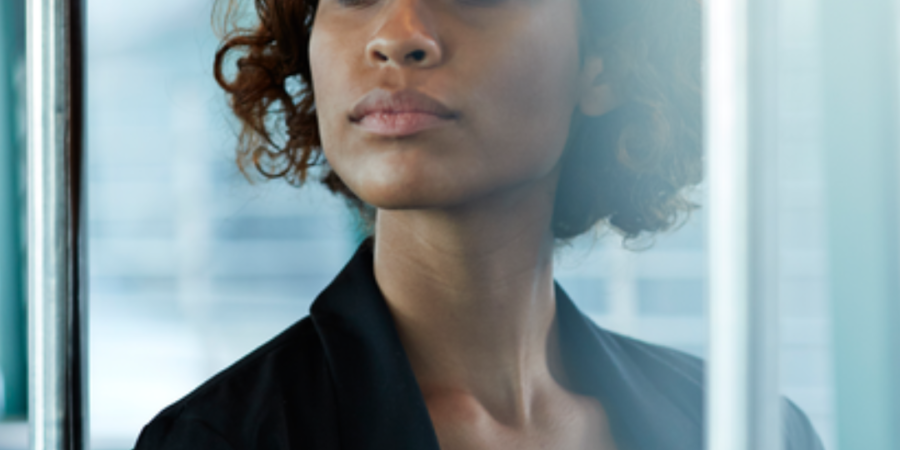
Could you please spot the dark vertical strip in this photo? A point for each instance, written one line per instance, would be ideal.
(76, 416)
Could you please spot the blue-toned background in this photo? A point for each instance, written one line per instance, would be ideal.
(192, 267)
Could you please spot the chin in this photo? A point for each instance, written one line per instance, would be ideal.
(412, 179)
(411, 194)
(432, 193)
(405, 177)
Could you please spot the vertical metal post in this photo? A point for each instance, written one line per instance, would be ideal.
(861, 170)
(55, 110)
(741, 110)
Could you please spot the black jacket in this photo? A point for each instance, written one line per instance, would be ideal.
(339, 379)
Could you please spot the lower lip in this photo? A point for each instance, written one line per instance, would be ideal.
(400, 124)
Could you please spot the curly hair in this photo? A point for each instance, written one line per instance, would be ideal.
(629, 168)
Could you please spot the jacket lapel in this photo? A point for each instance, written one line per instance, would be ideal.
(380, 405)
(379, 402)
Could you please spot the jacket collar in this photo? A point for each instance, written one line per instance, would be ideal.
(381, 406)
(379, 402)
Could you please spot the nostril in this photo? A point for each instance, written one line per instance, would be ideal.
(417, 55)
(380, 56)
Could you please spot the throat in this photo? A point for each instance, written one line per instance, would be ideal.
(474, 305)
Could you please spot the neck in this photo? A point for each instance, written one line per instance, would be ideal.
(472, 296)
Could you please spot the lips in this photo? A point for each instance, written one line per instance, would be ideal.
(401, 113)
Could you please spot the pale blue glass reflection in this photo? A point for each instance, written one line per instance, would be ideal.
(191, 267)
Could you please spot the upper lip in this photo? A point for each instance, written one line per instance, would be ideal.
(405, 101)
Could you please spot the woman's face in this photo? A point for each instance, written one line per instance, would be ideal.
(436, 103)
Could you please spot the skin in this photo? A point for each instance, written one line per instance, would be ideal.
(463, 246)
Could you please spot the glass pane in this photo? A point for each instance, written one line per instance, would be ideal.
(191, 266)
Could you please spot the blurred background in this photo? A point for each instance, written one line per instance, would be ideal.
(191, 266)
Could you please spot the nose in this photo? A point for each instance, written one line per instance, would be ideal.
(406, 37)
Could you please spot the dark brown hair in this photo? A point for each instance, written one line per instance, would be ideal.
(629, 167)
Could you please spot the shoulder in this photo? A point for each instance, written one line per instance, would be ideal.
(798, 431)
(656, 363)
(680, 377)
(673, 374)
(283, 381)
(674, 362)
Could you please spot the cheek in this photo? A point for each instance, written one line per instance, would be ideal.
(529, 94)
(536, 78)
(330, 78)
(322, 85)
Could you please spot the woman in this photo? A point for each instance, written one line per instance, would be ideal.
(474, 135)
